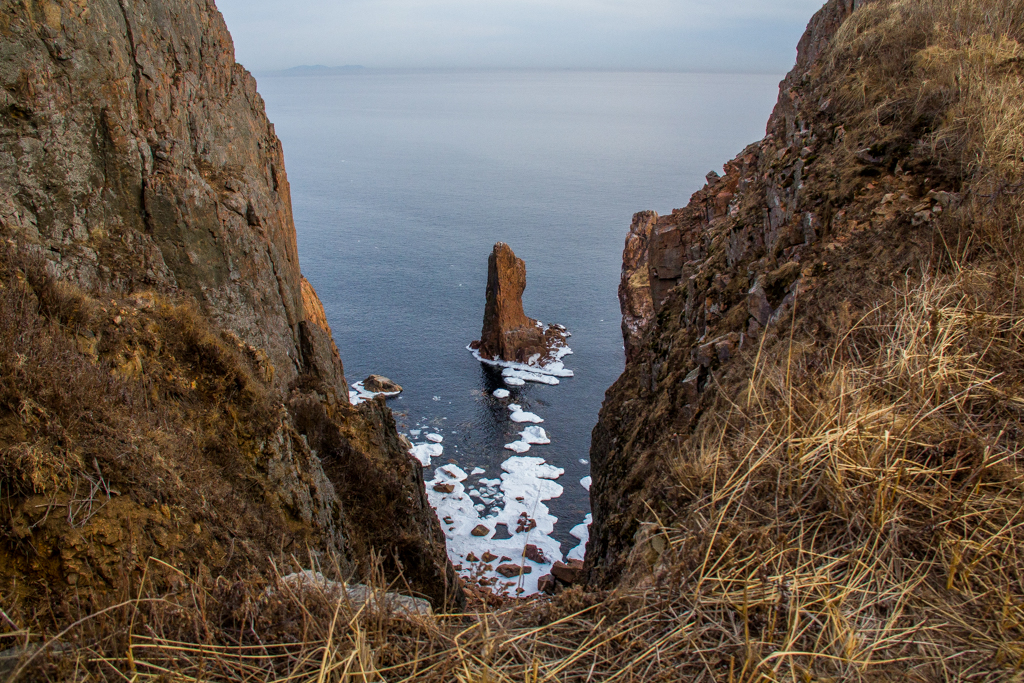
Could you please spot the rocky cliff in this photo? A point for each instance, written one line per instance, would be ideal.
(812, 369)
(137, 154)
(146, 211)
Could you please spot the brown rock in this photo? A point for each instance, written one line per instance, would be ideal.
(379, 384)
(567, 573)
(535, 554)
(512, 570)
(444, 488)
(635, 284)
(547, 584)
(480, 530)
(508, 334)
(489, 556)
(472, 558)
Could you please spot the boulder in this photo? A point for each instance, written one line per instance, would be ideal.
(535, 554)
(480, 530)
(378, 384)
(547, 584)
(512, 570)
(489, 556)
(508, 334)
(568, 573)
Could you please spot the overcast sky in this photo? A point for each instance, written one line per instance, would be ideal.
(704, 35)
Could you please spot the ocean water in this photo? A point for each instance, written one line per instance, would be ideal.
(403, 181)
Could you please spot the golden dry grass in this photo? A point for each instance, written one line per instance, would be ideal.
(856, 514)
(949, 72)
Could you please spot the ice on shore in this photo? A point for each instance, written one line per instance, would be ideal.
(514, 381)
(555, 367)
(582, 532)
(510, 373)
(518, 446)
(525, 483)
(585, 482)
(501, 393)
(425, 451)
(519, 415)
(361, 394)
(436, 438)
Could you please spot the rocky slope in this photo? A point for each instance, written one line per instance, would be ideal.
(145, 209)
(867, 182)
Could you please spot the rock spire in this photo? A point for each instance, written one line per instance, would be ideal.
(508, 333)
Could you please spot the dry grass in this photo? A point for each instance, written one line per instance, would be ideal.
(946, 77)
(857, 514)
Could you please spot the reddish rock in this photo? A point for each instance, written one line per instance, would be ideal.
(508, 334)
(512, 570)
(379, 384)
(480, 530)
(635, 284)
(489, 556)
(568, 573)
(444, 488)
(547, 584)
(472, 558)
(535, 554)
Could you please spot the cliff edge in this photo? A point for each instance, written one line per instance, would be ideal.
(809, 382)
(170, 382)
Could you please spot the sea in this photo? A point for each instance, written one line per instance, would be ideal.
(401, 183)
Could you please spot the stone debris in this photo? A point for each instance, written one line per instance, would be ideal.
(357, 594)
(535, 554)
(513, 570)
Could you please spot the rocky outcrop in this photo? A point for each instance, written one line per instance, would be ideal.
(319, 354)
(635, 285)
(380, 384)
(784, 227)
(137, 161)
(508, 334)
(136, 155)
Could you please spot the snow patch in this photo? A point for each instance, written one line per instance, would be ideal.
(436, 438)
(585, 482)
(501, 393)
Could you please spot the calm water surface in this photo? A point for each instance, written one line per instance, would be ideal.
(403, 181)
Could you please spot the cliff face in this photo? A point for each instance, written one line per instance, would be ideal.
(137, 161)
(813, 221)
(819, 421)
(137, 155)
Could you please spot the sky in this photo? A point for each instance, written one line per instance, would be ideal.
(685, 35)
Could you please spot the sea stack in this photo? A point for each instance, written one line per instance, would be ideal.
(508, 334)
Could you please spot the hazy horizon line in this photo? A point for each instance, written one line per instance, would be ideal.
(303, 70)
